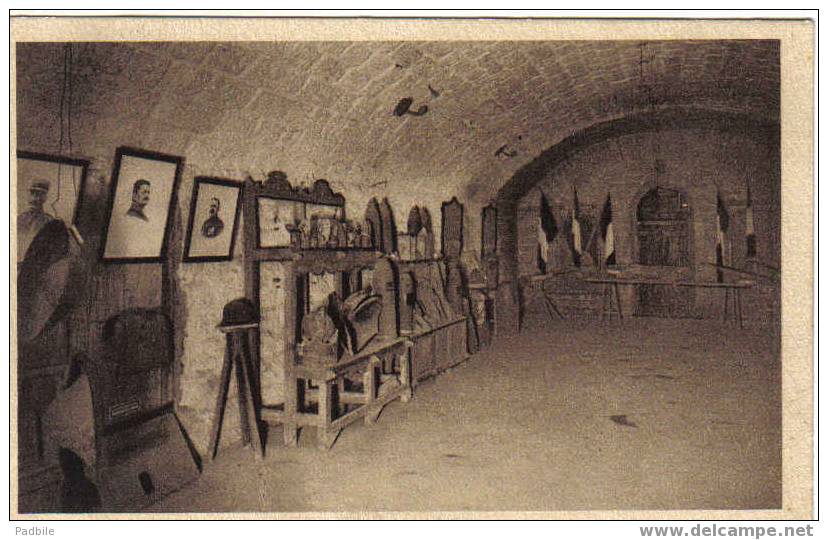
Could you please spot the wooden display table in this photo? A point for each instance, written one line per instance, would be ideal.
(384, 369)
(611, 289)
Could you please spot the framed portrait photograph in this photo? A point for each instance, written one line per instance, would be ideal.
(213, 223)
(276, 218)
(48, 187)
(141, 198)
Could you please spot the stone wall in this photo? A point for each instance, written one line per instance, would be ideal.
(209, 141)
(324, 110)
(694, 161)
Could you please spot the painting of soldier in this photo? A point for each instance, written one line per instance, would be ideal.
(49, 187)
(142, 193)
(214, 212)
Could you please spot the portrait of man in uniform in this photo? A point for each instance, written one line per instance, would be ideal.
(214, 214)
(140, 198)
(213, 225)
(34, 218)
(48, 188)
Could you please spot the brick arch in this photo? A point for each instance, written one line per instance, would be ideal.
(528, 176)
(325, 109)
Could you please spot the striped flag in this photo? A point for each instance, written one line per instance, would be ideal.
(750, 235)
(576, 228)
(547, 230)
(607, 233)
(722, 224)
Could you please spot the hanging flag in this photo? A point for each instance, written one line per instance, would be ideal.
(576, 228)
(607, 233)
(750, 235)
(543, 249)
(547, 230)
(722, 223)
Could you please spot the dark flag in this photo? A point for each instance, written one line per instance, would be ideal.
(607, 233)
(547, 230)
(750, 235)
(722, 223)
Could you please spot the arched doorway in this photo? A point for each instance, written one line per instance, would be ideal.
(663, 234)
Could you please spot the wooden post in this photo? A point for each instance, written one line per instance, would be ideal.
(405, 372)
(726, 301)
(290, 428)
(221, 400)
(618, 301)
(243, 391)
(251, 404)
(370, 389)
(738, 294)
(325, 436)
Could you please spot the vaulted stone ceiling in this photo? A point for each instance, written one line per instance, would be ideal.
(325, 109)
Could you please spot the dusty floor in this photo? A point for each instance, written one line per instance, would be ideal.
(644, 414)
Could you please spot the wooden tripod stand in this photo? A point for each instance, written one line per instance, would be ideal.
(238, 354)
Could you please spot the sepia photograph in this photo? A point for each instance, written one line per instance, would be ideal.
(214, 214)
(525, 269)
(277, 218)
(48, 188)
(141, 198)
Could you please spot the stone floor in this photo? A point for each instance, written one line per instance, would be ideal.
(644, 414)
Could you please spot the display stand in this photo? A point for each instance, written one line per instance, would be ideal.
(237, 357)
(368, 381)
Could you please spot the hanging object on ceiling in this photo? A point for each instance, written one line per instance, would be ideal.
(404, 107)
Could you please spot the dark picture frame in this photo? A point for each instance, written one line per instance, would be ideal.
(47, 161)
(195, 210)
(122, 251)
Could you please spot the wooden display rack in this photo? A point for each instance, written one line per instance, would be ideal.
(359, 385)
(314, 394)
(384, 370)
